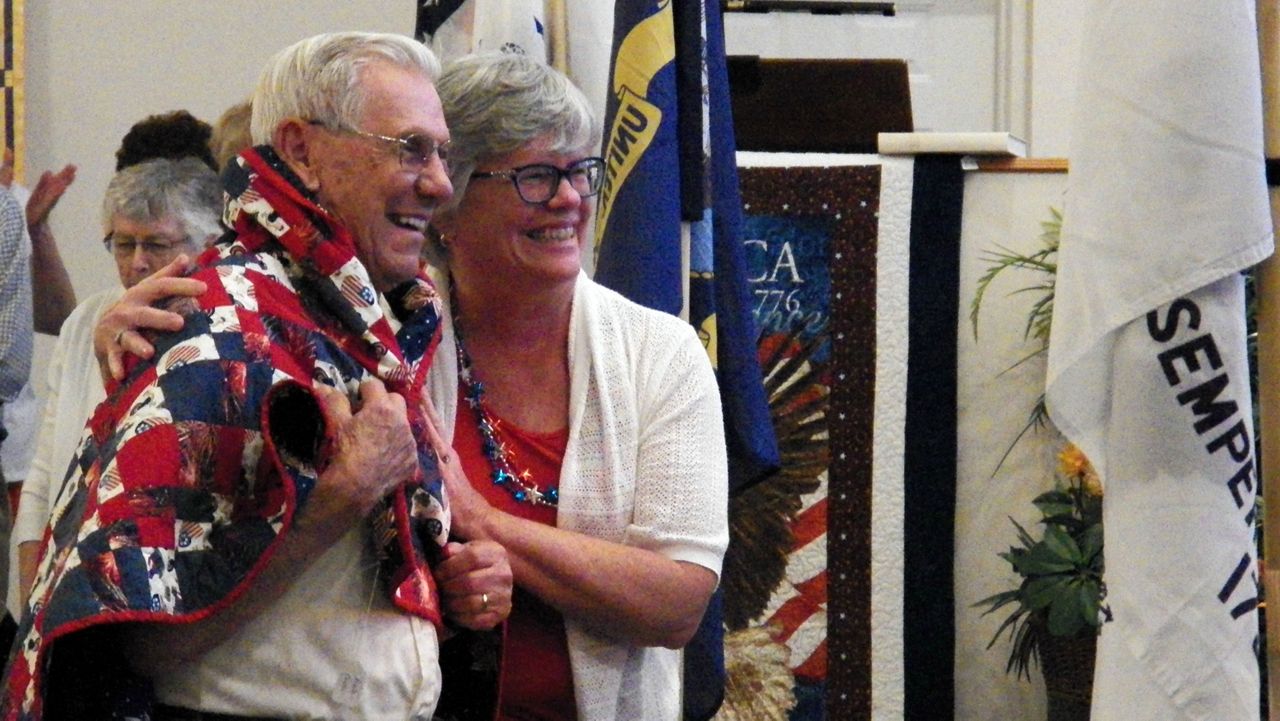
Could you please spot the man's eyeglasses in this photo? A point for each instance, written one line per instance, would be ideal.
(414, 150)
(537, 184)
(122, 246)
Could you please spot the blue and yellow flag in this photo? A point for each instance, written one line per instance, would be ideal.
(638, 211)
(669, 147)
(661, 103)
(720, 300)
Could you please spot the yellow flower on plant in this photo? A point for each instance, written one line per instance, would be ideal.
(1072, 461)
(1075, 465)
(1091, 483)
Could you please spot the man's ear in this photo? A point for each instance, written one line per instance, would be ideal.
(294, 141)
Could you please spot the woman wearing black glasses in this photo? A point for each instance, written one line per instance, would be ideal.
(587, 428)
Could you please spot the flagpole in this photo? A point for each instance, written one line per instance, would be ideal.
(1268, 316)
(557, 34)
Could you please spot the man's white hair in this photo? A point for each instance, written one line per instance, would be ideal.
(318, 78)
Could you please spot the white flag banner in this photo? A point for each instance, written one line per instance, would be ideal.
(1166, 203)
(583, 32)
(478, 26)
(589, 45)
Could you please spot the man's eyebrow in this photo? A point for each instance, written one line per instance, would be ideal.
(424, 132)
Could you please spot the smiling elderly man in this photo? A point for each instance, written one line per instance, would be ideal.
(261, 501)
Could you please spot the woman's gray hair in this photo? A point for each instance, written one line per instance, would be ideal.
(185, 189)
(318, 78)
(495, 103)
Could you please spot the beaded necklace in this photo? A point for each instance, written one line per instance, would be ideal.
(519, 485)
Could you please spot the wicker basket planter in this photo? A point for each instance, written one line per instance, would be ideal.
(1067, 664)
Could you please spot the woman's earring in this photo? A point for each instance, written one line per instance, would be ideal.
(439, 238)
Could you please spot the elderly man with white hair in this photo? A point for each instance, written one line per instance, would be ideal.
(252, 524)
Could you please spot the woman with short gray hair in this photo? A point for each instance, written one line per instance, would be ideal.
(587, 428)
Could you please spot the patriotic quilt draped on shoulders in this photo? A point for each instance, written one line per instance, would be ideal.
(189, 475)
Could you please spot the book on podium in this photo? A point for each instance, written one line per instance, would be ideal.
(960, 143)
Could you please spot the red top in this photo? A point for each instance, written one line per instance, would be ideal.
(536, 683)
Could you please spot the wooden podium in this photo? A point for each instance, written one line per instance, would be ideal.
(832, 106)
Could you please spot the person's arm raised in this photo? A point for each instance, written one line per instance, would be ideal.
(50, 285)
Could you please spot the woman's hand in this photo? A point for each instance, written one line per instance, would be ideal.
(475, 584)
(468, 510)
(118, 331)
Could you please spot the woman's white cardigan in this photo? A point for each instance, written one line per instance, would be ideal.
(645, 466)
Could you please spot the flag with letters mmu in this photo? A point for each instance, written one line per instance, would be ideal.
(1148, 374)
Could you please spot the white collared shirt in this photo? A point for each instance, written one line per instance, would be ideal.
(333, 647)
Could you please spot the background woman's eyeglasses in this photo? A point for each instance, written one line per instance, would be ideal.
(537, 184)
(122, 246)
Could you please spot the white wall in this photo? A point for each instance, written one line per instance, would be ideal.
(93, 69)
(1055, 48)
(930, 36)
(973, 64)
